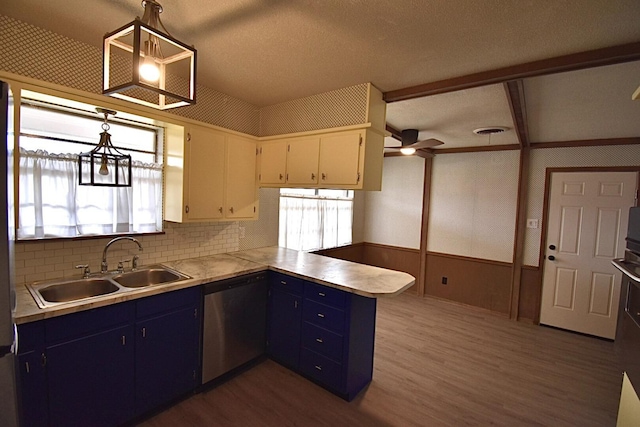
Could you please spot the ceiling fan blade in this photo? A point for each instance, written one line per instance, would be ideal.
(426, 143)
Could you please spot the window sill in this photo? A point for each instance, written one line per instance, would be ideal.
(92, 237)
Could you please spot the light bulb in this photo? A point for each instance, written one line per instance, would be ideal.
(149, 70)
(407, 151)
(103, 166)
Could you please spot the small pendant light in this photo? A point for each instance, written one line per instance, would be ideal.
(105, 166)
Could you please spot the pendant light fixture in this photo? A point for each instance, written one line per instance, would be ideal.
(148, 66)
(105, 166)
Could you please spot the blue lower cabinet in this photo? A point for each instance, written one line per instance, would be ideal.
(90, 379)
(105, 366)
(166, 358)
(330, 340)
(32, 378)
(285, 324)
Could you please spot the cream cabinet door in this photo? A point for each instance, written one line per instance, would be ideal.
(241, 188)
(205, 154)
(340, 159)
(273, 162)
(302, 161)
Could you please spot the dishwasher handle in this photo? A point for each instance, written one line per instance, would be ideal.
(222, 285)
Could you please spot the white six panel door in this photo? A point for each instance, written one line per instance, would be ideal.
(587, 225)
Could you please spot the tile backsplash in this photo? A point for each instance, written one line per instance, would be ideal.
(43, 260)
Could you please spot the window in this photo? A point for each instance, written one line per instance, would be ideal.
(52, 204)
(315, 219)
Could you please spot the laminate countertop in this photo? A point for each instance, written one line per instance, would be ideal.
(365, 280)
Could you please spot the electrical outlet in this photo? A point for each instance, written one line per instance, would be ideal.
(444, 280)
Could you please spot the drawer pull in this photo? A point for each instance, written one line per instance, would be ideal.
(319, 340)
(321, 315)
(283, 282)
(319, 368)
(321, 294)
(26, 366)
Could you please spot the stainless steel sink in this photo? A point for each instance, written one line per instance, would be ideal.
(148, 277)
(72, 290)
(52, 293)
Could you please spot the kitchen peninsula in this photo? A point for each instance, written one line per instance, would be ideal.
(143, 348)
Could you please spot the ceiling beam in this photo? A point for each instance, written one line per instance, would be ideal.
(515, 96)
(476, 149)
(395, 133)
(575, 61)
(587, 142)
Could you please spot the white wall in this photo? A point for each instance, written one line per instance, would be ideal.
(473, 204)
(393, 216)
(541, 159)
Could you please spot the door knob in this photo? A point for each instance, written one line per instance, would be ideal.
(551, 258)
(552, 247)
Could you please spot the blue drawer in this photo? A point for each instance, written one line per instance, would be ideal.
(326, 295)
(30, 336)
(89, 321)
(323, 315)
(169, 301)
(285, 283)
(322, 341)
(321, 368)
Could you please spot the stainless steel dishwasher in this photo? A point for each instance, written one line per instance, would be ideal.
(235, 323)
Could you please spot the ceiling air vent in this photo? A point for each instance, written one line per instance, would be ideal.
(489, 130)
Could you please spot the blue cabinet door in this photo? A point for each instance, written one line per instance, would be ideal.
(32, 389)
(166, 358)
(285, 324)
(91, 379)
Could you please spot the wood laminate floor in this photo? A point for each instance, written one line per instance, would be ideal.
(436, 364)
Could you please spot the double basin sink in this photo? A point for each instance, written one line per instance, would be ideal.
(52, 293)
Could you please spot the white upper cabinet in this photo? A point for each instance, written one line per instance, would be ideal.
(210, 176)
(350, 159)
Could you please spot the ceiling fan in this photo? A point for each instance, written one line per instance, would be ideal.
(410, 143)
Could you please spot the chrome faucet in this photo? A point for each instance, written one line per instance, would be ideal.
(104, 268)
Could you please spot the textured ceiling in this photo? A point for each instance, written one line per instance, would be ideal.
(269, 51)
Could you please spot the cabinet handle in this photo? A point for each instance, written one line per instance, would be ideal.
(26, 367)
(295, 304)
(195, 313)
(220, 209)
(43, 358)
(321, 294)
(144, 333)
(319, 368)
(283, 282)
(324, 176)
(321, 315)
(231, 209)
(319, 340)
(186, 209)
(313, 176)
(124, 340)
(281, 177)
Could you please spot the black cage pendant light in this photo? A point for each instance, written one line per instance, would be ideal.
(148, 66)
(105, 166)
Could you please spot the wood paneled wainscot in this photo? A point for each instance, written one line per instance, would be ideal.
(210, 175)
(348, 159)
(478, 282)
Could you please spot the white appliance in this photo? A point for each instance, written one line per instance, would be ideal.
(8, 334)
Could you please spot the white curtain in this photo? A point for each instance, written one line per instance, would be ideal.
(52, 204)
(314, 223)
